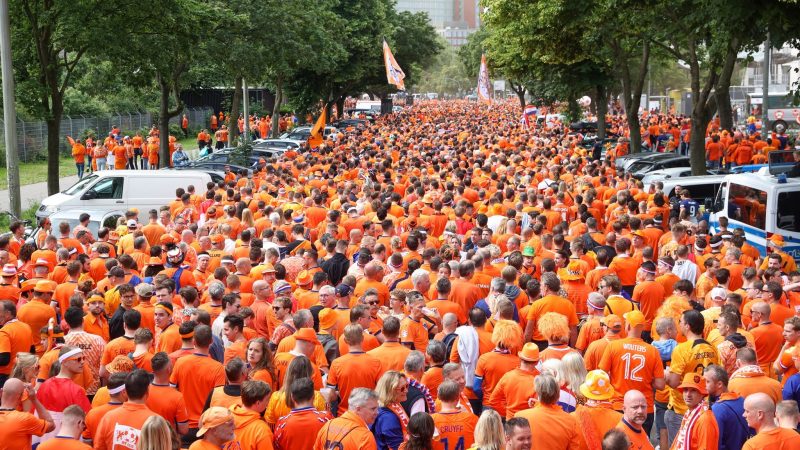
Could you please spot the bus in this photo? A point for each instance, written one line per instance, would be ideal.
(781, 109)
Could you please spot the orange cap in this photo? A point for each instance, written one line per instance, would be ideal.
(303, 278)
(634, 318)
(694, 381)
(529, 352)
(306, 334)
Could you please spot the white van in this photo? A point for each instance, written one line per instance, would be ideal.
(124, 189)
(762, 205)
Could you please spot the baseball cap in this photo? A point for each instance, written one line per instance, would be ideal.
(343, 290)
(306, 334)
(612, 321)
(303, 278)
(281, 287)
(131, 223)
(528, 251)
(174, 252)
(41, 262)
(634, 318)
(718, 292)
(694, 381)
(145, 290)
(212, 418)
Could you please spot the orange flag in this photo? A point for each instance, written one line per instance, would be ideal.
(318, 131)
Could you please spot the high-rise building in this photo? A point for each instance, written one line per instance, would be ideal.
(453, 19)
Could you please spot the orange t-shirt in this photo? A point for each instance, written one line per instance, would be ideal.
(346, 431)
(196, 376)
(282, 361)
(650, 295)
(120, 427)
(775, 439)
(16, 429)
(554, 428)
(36, 314)
(491, 367)
(465, 293)
(392, 355)
(353, 370)
(456, 429)
(625, 268)
(15, 337)
(551, 303)
(768, 342)
(414, 332)
(514, 390)
(94, 417)
(119, 346)
(63, 443)
(168, 403)
(594, 352)
(600, 419)
(638, 438)
(632, 363)
(299, 428)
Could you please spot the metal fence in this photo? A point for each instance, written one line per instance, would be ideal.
(32, 136)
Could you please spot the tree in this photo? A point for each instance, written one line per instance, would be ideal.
(163, 39)
(708, 36)
(50, 37)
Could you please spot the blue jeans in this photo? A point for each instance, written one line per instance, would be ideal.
(101, 163)
(673, 422)
(80, 167)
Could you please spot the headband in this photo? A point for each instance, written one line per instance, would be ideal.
(116, 390)
(167, 309)
(715, 244)
(69, 354)
(188, 335)
(665, 263)
(648, 271)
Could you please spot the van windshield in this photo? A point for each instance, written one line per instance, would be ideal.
(81, 185)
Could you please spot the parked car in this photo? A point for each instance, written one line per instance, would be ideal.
(284, 144)
(641, 168)
(642, 156)
(97, 218)
(303, 133)
(123, 189)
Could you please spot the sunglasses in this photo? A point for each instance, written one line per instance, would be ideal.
(78, 359)
(373, 302)
(277, 308)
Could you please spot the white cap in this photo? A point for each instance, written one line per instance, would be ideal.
(718, 292)
(132, 223)
(174, 252)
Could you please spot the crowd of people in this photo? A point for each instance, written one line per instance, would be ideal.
(443, 278)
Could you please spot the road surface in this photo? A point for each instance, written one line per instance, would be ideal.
(33, 193)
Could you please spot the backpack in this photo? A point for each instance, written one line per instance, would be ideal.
(589, 243)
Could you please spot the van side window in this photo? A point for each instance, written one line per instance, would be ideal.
(109, 188)
(788, 211)
(751, 204)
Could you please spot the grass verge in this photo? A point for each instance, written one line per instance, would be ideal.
(36, 172)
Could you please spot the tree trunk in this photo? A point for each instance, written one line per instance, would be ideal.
(53, 155)
(519, 89)
(236, 102)
(697, 143)
(722, 89)
(276, 108)
(632, 89)
(601, 104)
(340, 106)
(163, 124)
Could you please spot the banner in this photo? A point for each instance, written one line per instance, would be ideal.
(318, 132)
(484, 87)
(394, 74)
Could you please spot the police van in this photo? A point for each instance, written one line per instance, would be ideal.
(763, 203)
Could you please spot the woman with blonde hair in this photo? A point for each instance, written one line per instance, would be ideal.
(391, 426)
(157, 434)
(26, 369)
(489, 432)
(247, 219)
(280, 402)
(570, 373)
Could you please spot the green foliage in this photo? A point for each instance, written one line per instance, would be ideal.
(240, 156)
(447, 75)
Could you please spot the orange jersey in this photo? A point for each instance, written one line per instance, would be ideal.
(456, 429)
(632, 363)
